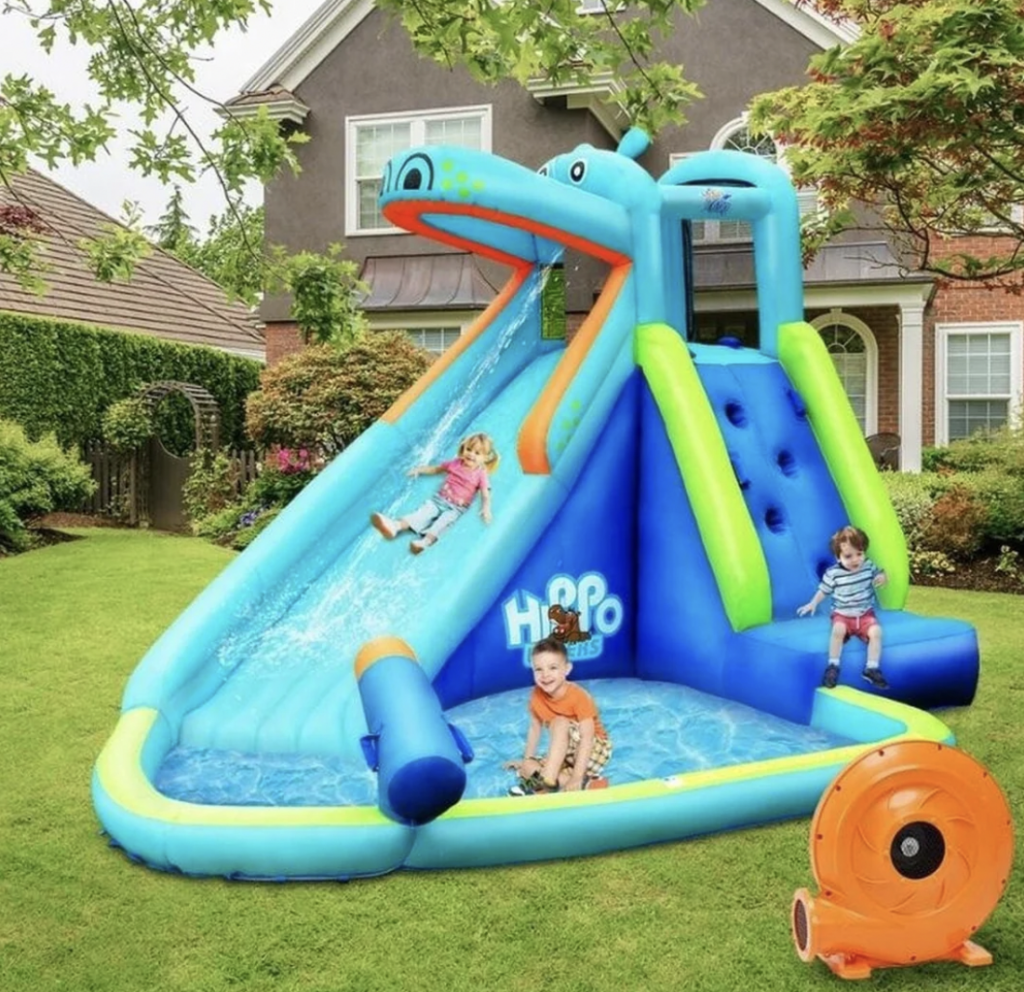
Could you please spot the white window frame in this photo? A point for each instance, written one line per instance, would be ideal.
(427, 321)
(848, 320)
(1015, 329)
(417, 119)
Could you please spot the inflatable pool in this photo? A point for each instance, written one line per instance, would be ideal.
(675, 498)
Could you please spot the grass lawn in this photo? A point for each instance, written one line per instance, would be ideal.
(709, 914)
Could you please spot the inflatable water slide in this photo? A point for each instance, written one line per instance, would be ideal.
(335, 706)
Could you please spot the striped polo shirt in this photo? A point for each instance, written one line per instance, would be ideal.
(853, 593)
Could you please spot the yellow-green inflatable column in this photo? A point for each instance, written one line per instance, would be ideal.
(729, 537)
(806, 361)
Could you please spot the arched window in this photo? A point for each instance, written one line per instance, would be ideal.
(736, 137)
(854, 352)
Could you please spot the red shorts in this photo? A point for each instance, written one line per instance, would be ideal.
(856, 626)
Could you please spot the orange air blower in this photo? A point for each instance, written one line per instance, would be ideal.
(911, 847)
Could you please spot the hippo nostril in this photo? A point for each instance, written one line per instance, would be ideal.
(413, 179)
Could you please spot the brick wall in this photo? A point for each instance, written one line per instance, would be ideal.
(283, 339)
(963, 303)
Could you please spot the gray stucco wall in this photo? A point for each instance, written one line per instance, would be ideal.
(733, 50)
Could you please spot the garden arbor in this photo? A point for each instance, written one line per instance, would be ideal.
(160, 498)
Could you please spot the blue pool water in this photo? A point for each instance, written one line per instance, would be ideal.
(657, 730)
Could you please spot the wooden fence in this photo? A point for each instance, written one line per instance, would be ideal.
(117, 476)
(112, 473)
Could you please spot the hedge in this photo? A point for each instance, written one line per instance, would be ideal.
(59, 377)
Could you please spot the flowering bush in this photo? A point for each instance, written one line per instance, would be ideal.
(323, 398)
(290, 461)
(218, 515)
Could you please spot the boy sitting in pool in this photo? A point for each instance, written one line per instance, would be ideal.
(579, 746)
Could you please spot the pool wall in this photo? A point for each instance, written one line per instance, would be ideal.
(351, 842)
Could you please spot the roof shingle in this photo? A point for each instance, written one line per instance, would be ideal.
(165, 297)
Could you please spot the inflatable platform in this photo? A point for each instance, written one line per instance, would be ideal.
(675, 499)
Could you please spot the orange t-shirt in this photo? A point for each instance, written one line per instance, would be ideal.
(577, 704)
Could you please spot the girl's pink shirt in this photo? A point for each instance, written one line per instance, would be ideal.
(462, 482)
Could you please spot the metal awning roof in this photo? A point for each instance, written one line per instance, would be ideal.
(449, 281)
(835, 264)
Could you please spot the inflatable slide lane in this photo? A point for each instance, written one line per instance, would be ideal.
(334, 705)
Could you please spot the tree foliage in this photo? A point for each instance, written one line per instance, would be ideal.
(325, 291)
(922, 113)
(231, 253)
(142, 55)
(559, 41)
(323, 398)
(324, 286)
(173, 230)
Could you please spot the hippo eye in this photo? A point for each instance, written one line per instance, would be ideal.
(417, 172)
(543, 170)
(578, 170)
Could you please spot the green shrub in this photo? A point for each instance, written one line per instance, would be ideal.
(59, 377)
(1008, 562)
(1001, 449)
(211, 486)
(912, 498)
(219, 516)
(127, 424)
(1003, 498)
(36, 478)
(245, 535)
(216, 526)
(323, 398)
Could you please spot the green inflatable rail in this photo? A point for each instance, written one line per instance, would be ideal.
(807, 363)
(729, 537)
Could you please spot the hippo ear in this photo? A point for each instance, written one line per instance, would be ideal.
(634, 143)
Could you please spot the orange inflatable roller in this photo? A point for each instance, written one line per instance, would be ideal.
(911, 847)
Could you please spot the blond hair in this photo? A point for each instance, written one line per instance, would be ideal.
(484, 442)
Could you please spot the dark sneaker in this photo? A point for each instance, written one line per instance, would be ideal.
(831, 676)
(532, 786)
(875, 677)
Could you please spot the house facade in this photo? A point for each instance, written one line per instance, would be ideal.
(928, 362)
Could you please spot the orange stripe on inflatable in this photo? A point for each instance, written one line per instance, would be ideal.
(407, 214)
(465, 340)
(381, 647)
(532, 443)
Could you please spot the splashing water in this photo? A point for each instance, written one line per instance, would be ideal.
(346, 593)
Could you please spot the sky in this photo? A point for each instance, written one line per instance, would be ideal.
(108, 182)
